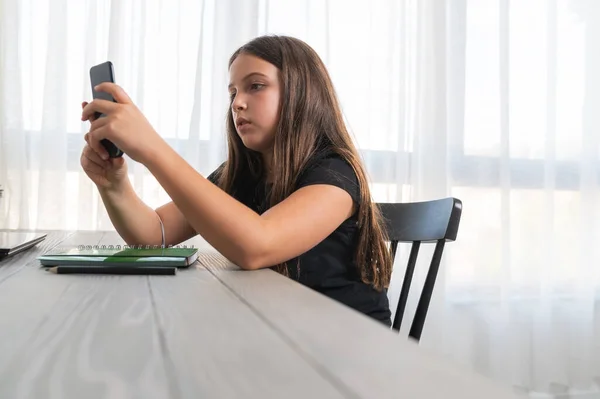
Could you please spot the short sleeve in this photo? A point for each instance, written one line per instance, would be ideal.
(333, 171)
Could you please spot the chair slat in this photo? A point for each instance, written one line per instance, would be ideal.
(419, 320)
(408, 275)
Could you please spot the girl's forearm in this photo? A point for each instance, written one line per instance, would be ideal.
(136, 222)
(233, 229)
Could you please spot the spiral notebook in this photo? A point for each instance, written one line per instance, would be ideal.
(120, 256)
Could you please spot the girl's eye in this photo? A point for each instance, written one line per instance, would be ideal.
(253, 87)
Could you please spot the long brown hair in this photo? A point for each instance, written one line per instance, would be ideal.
(310, 122)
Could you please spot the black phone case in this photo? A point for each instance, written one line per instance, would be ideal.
(104, 73)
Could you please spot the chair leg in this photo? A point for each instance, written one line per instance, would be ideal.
(421, 313)
(408, 275)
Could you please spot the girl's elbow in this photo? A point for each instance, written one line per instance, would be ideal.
(256, 255)
(252, 261)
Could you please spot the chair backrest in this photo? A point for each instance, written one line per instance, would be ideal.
(420, 222)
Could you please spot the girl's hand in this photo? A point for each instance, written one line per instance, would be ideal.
(123, 124)
(106, 174)
(109, 174)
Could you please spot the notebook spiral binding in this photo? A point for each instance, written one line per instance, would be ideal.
(120, 247)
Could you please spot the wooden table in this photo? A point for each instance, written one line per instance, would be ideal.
(211, 331)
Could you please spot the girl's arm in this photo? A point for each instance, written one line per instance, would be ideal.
(249, 240)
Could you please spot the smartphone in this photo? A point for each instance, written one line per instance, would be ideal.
(104, 73)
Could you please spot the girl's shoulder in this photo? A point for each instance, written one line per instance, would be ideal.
(330, 168)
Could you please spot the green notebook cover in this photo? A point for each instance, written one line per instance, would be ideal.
(176, 257)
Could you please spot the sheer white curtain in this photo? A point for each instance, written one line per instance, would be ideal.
(495, 102)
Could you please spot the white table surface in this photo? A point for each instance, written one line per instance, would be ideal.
(211, 331)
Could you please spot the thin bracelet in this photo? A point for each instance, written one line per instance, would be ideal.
(162, 230)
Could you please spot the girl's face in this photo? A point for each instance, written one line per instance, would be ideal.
(254, 91)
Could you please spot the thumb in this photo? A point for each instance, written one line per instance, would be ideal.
(117, 163)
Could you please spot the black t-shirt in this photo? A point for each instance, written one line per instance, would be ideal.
(329, 267)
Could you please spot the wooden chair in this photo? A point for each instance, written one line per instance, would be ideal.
(420, 222)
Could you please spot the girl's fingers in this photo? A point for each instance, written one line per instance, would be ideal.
(96, 145)
(93, 156)
(90, 165)
(98, 123)
(92, 118)
(98, 105)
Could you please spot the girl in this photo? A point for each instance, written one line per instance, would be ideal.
(292, 194)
